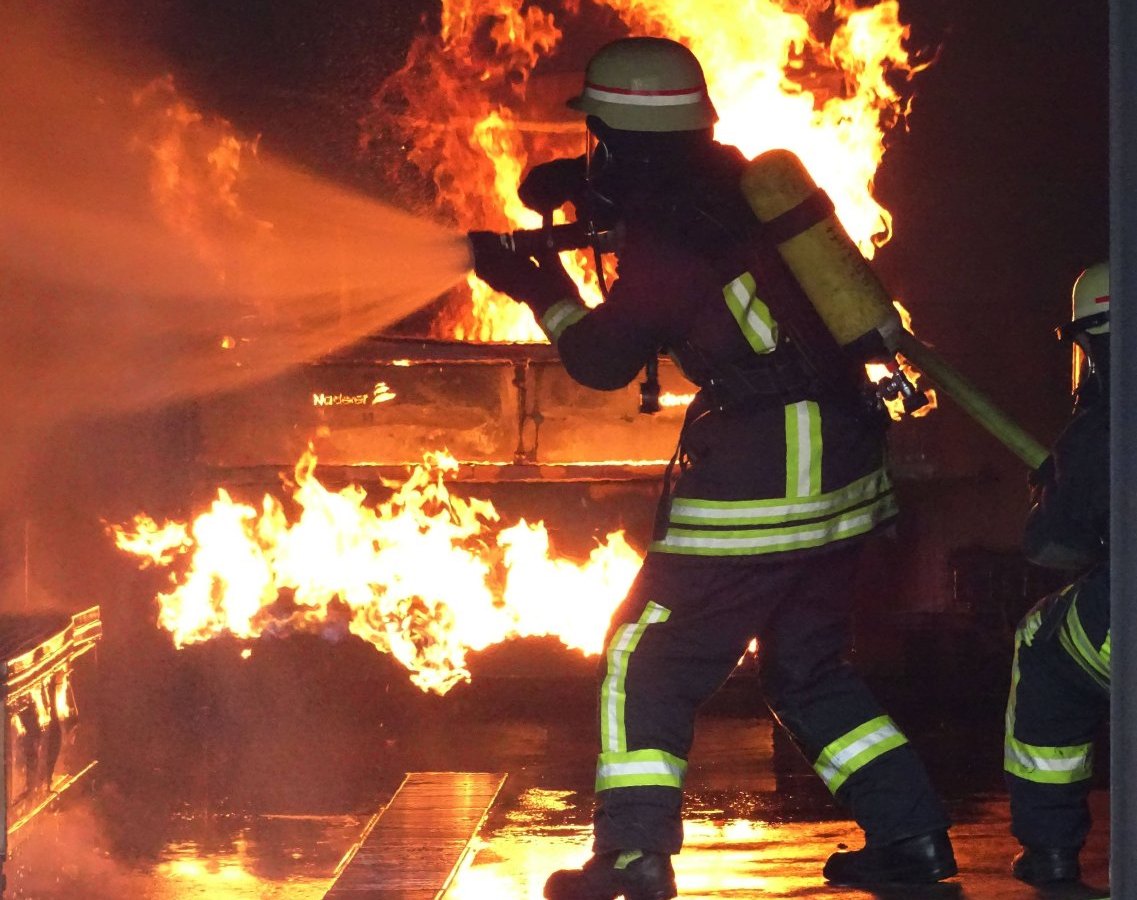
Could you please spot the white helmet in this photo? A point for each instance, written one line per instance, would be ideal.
(646, 84)
(1089, 302)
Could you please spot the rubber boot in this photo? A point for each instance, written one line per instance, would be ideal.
(630, 874)
(923, 859)
(1047, 865)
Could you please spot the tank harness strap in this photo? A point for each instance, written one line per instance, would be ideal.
(815, 208)
(797, 315)
(663, 507)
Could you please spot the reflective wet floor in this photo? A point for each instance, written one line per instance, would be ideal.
(236, 804)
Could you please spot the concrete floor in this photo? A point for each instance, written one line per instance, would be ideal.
(244, 805)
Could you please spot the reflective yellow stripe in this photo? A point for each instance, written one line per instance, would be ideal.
(1043, 765)
(803, 449)
(613, 737)
(560, 316)
(752, 315)
(856, 749)
(689, 511)
(640, 768)
(1078, 644)
(1048, 765)
(707, 542)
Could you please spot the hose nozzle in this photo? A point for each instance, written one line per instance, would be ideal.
(556, 238)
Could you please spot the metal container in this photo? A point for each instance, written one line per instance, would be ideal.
(49, 738)
(504, 411)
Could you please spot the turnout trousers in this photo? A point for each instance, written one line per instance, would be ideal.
(1059, 699)
(681, 631)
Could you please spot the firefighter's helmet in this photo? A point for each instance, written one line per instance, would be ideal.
(1090, 303)
(646, 84)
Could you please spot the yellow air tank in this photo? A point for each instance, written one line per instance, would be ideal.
(850, 300)
(823, 259)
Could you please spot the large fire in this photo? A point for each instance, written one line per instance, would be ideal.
(426, 576)
(817, 78)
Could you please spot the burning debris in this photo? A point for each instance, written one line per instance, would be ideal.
(425, 576)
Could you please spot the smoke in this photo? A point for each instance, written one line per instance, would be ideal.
(148, 254)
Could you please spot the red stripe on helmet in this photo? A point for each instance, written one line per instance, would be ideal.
(1104, 299)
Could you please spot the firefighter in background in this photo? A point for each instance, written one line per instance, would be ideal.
(1059, 694)
(780, 480)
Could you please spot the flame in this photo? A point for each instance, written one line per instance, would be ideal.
(425, 576)
(63, 706)
(878, 371)
(817, 78)
(42, 705)
(668, 400)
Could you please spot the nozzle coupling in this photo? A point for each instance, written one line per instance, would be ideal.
(569, 236)
(897, 384)
(649, 388)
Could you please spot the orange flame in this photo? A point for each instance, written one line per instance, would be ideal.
(426, 576)
(817, 78)
(878, 371)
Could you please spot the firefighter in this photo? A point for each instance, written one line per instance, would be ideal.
(780, 478)
(1059, 694)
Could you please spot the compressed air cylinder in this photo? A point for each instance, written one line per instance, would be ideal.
(822, 257)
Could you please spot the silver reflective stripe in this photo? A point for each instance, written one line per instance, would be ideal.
(560, 316)
(1041, 765)
(771, 540)
(751, 314)
(855, 750)
(613, 737)
(1077, 643)
(640, 768)
(803, 449)
(689, 511)
(1048, 765)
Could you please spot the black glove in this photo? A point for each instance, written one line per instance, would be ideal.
(551, 185)
(538, 282)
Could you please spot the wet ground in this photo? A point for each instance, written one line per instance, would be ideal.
(241, 794)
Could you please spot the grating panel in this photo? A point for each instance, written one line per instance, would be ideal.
(411, 848)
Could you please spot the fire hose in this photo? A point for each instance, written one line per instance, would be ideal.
(856, 309)
(971, 400)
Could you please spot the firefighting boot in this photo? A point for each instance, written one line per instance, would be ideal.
(923, 859)
(631, 874)
(1046, 865)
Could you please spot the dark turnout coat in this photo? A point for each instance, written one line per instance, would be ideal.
(774, 463)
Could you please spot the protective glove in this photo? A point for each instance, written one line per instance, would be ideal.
(538, 282)
(551, 185)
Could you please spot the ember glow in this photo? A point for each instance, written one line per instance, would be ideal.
(818, 79)
(426, 576)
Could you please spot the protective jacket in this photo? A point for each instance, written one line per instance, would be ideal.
(773, 461)
(1068, 524)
